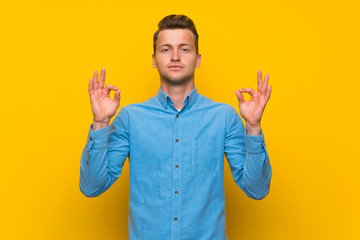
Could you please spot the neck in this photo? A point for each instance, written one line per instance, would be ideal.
(177, 93)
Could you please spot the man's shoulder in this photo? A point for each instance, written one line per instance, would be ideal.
(150, 103)
(204, 101)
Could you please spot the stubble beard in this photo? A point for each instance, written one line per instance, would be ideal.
(177, 81)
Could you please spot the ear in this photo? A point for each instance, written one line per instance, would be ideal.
(154, 61)
(198, 60)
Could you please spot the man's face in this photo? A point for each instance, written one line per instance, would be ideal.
(175, 56)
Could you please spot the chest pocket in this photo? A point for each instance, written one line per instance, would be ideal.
(205, 156)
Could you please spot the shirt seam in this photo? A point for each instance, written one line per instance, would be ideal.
(180, 216)
(172, 185)
(99, 147)
(254, 152)
(226, 124)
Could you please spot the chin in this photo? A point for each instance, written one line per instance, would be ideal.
(178, 80)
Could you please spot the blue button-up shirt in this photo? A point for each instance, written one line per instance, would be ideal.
(176, 161)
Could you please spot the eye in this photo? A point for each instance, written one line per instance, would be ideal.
(165, 50)
(185, 49)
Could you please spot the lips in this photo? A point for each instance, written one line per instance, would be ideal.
(175, 67)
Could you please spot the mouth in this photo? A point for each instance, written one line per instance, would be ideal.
(175, 67)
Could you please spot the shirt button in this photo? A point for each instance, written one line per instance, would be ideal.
(177, 115)
(176, 192)
(177, 166)
(87, 162)
(90, 138)
(177, 140)
(175, 218)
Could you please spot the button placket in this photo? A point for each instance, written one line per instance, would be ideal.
(176, 178)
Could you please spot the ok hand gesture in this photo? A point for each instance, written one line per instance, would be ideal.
(253, 109)
(103, 107)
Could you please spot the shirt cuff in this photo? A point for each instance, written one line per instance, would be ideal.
(255, 143)
(98, 138)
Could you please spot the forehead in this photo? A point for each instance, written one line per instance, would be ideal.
(175, 37)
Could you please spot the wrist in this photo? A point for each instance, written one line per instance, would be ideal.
(253, 129)
(106, 120)
(99, 124)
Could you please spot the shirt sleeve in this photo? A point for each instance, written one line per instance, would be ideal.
(104, 155)
(247, 157)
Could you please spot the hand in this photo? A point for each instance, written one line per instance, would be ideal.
(103, 107)
(253, 109)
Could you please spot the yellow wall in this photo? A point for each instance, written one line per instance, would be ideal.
(49, 50)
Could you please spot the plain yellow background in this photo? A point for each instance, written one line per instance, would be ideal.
(49, 50)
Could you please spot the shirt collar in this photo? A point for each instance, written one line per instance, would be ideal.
(164, 99)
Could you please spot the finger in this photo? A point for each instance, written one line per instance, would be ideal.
(259, 80)
(239, 96)
(268, 92)
(248, 90)
(95, 80)
(117, 95)
(91, 87)
(102, 79)
(265, 84)
(110, 87)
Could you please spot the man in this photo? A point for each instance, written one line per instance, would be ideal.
(176, 143)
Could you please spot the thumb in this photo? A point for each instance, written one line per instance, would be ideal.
(239, 96)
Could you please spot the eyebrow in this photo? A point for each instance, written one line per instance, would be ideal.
(169, 45)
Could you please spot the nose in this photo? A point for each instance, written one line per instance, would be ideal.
(175, 57)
